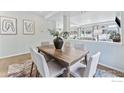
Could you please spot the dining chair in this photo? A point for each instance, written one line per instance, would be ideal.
(67, 44)
(80, 70)
(81, 47)
(45, 43)
(46, 69)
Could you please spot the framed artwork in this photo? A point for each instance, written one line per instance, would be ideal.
(28, 27)
(8, 26)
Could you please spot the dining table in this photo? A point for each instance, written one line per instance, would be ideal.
(66, 56)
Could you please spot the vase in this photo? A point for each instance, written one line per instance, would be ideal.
(58, 42)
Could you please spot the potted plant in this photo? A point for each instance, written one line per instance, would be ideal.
(115, 37)
(58, 41)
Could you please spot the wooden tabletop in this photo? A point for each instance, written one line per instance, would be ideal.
(66, 56)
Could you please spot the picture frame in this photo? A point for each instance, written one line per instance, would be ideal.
(8, 26)
(28, 27)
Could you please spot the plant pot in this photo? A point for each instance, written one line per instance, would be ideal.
(58, 42)
(116, 40)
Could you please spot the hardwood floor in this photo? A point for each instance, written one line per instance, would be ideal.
(110, 70)
(4, 63)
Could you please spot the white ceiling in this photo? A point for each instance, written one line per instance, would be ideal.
(79, 17)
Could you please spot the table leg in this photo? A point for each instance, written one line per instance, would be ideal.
(86, 59)
(68, 71)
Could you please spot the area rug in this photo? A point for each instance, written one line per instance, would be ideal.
(20, 70)
(103, 73)
(23, 70)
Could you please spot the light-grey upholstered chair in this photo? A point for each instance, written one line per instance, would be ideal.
(80, 70)
(46, 69)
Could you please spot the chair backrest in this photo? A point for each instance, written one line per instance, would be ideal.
(67, 44)
(79, 46)
(40, 63)
(44, 43)
(33, 56)
(92, 65)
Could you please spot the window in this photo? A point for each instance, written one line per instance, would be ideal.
(104, 31)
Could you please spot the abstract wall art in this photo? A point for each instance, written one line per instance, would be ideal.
(8, 26)
(28, 27)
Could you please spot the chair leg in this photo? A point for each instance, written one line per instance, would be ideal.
(32, 65)
(85, 59)
(94, 75)
(36, 72)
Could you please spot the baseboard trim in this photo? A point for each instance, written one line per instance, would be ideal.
(4, 57)
(116, 69)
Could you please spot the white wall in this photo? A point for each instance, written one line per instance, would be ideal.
(18, 44)
(111, 54)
